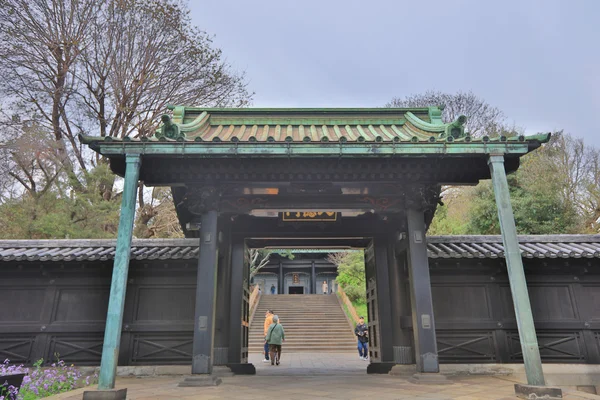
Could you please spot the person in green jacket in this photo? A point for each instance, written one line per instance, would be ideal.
(275, 336)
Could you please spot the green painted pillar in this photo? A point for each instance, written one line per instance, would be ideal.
(516, 274)
(116, 303)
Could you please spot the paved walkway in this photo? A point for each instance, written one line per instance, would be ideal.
(311, 364)
(310, 376)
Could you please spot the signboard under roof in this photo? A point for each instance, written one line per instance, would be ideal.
(313, 216)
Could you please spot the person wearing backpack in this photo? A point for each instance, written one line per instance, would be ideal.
(361, 331)
(275, 337)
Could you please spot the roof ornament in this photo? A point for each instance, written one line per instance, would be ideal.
(169, 129)
(435, 115)
(455, 129)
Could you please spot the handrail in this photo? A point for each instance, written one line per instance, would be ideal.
(253, 301)
(348, 304)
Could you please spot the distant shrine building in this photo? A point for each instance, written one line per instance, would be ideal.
(364, 179)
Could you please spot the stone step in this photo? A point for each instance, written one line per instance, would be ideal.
(302, 342)
(303, 328)
(310, 320)
(307, 349)
(295, 328)
(352, 345)
(312, 323)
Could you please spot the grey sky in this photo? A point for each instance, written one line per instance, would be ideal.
(538, 61)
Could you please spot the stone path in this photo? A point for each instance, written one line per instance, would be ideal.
(313, 376)
(311, 364)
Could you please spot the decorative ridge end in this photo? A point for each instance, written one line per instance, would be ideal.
(540, 137)
(547, 135)
(423, 125)
(178, 114)
(83, 139)
(169, 129)
(435, 115)
(455, 129)
(198, 126)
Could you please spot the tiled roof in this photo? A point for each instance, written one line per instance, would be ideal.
(532, 246)
(277, 125)
(96, 249)
(542, 246)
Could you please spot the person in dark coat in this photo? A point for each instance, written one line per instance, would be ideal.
(362, 333)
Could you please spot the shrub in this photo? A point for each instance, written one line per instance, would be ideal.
(351, 270)
(356, 293)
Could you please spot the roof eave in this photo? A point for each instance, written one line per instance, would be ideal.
(327, 149)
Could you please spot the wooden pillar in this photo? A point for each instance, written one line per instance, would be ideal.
(313, 277)
(204, 321)
(516, 274)
(400, 306)
(280, 288)
(222, 305)
(236, 302)
(420, 289)
(118, 286)
(386, 347)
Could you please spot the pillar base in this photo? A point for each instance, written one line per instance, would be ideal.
(222, 371)
(242, 368)
(379, 367)
(200, 380)
(404, 370)
(429, 378)
(532, 392)
(120, 394)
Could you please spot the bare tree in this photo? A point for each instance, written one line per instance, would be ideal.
(145, 55)
(258, 258)
(157, 217)
(104, 68)
(338, 258)
(40, 45)
(482, 118)
(577, 165)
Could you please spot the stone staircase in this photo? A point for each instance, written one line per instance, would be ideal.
(312, 323)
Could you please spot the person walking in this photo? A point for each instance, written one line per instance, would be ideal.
(325, 287)
(273, 289)
(275, 337)
(268, 322)
(362, 333)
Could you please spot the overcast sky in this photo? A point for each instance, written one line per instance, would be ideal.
(538, 61)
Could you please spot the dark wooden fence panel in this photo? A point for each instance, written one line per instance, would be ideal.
(59, 311)
(475, 318)
(60, 308)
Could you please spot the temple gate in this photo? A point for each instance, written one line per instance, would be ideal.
(234, 175)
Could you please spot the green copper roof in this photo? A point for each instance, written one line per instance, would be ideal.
(394, 130)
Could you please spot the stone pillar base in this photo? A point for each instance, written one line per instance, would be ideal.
(242, 368)
(222, 371)
(379, 367)
(405, 370)
(200, 380)
(532, 392)
(429, 378)
(120, 394)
